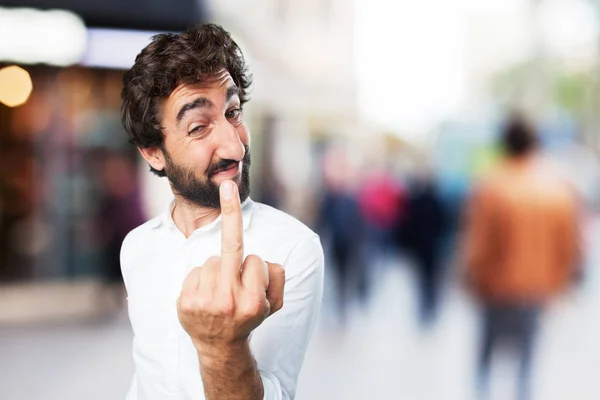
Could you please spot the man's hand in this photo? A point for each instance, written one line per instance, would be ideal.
(227, 298)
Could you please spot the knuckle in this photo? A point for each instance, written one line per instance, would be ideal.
(192, 275)
(253, 258)
(228, 207)
(196, 304)
(256, 264)
(267, 309)
(214, 260)
(187, 305)
(276, 302)
(209, 270)
(279, 304)
(226, 307)
(278, 269)
(252, 308)
(232, 247)
(203, 303)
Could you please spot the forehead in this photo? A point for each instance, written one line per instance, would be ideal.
(213, 87)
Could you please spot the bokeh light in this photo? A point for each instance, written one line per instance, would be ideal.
(15, 86)
(30, 36)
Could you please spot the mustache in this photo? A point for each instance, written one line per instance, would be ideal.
(227, 163)
(220, 166)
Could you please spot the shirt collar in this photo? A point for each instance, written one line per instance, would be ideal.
(166, 217)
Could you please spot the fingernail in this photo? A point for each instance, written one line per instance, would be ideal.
(227, 190)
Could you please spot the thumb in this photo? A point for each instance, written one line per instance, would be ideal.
(276, 286)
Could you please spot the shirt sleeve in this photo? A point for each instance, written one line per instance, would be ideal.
(279, 344)
(126, 259)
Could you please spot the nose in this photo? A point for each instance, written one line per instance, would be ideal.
(229, 145)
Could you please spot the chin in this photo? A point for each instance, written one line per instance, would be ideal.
(237, 179)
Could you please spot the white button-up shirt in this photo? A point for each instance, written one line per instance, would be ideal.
(155, 259)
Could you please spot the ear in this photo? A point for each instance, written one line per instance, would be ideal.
(154, 156)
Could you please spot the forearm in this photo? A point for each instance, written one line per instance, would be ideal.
(230, 373)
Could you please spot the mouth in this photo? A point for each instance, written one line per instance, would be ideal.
(230, 170)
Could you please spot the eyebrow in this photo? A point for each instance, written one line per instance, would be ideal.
(200, 102)
(232, 91)
(203, 102)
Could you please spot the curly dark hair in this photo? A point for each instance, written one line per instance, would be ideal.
(168, 61)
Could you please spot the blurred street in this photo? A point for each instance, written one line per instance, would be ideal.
(447, 153)
(381, 352)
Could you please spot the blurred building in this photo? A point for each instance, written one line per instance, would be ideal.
(301, 55)
(69, 187)
(58, 145)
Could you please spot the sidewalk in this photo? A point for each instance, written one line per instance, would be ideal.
(53, 301)
(381, 354)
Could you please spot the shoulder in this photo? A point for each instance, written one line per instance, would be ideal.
(492, 181)
(271, 219)
(136, 239)
(285, 238)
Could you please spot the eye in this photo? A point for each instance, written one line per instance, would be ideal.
(198, 129)
(234, 115)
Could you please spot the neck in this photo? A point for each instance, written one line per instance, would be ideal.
(188, 216)
(522, 158)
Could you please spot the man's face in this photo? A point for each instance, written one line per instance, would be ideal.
(206, 141)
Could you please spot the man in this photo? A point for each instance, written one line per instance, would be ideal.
(422, 235)
(521, 247)
(340, 222)
(205, 280)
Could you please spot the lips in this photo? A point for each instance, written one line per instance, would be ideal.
(231, 166)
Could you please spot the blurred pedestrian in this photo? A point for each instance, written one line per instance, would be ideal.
(339, 223)
(381, 200)
(521, 248)
(422, 232)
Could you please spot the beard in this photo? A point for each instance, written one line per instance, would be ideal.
(204, 192)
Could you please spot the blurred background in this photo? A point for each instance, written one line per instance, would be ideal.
(370, 122)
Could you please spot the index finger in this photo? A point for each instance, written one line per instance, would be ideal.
(232, 242)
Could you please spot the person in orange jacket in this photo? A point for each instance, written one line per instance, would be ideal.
(521, 247)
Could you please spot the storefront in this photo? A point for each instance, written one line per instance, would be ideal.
(69, 187)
